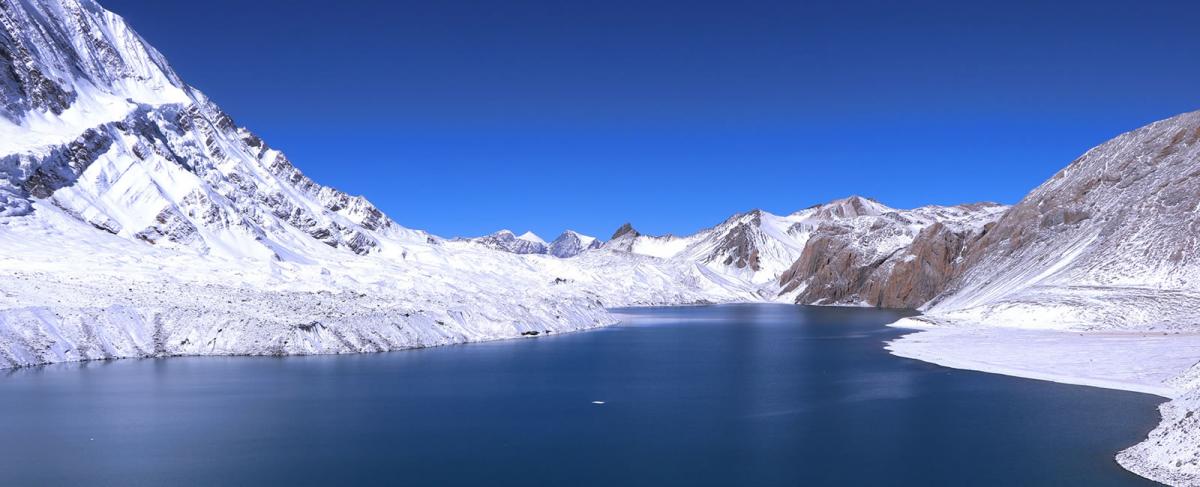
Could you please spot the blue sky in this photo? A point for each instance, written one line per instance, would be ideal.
(465, 117)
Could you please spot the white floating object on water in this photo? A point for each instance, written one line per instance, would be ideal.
(597, 402)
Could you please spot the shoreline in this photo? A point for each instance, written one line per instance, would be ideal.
(1158, 364)
(366, 349)
(1140, 362)
(931, 344)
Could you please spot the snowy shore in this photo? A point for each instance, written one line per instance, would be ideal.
(1151, 362)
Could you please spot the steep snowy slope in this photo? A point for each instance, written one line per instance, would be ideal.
(99, 124)
(1111, 241)
(137, 219)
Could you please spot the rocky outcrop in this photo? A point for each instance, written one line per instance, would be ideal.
(861, 255)
(625, 230)
(739, 246)
(924, 268)
(623, 239)
(572, 243)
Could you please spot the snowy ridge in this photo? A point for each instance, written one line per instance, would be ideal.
(568, 244)
(162, 165)
(507, 241)
(768, 251)
(137, 219)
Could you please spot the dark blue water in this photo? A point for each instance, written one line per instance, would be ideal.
(714, 395)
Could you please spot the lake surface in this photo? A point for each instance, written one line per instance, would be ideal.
(710, 395)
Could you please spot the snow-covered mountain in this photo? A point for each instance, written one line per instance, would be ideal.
(507, 241)
(98, 125)
(568, 244)
(137, 219)
(571, 243)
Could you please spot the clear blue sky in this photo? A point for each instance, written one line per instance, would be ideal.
(465, 117)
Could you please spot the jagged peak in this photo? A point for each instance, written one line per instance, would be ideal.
(626, 229)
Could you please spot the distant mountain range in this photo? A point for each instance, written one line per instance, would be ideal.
(852, 251)
(569, 244)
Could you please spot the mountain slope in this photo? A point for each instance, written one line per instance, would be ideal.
(137, 219)
(1103, 244)
(1107, 246)
(99, 124)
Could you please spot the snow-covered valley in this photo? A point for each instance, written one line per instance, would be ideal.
(137, 219)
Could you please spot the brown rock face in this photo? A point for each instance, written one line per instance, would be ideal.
(847, 263)
(831, 270)
(925, 269)
(626, 229)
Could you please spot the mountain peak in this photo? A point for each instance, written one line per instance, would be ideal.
(572, 243)
(626, 229)
(850, 207)
(531, 237)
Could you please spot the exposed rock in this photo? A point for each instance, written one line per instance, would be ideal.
(626, 229)
(572, 243)
(925, 268)
(737, 246)
(862, 253)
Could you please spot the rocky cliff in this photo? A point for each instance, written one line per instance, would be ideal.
(868, 254)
